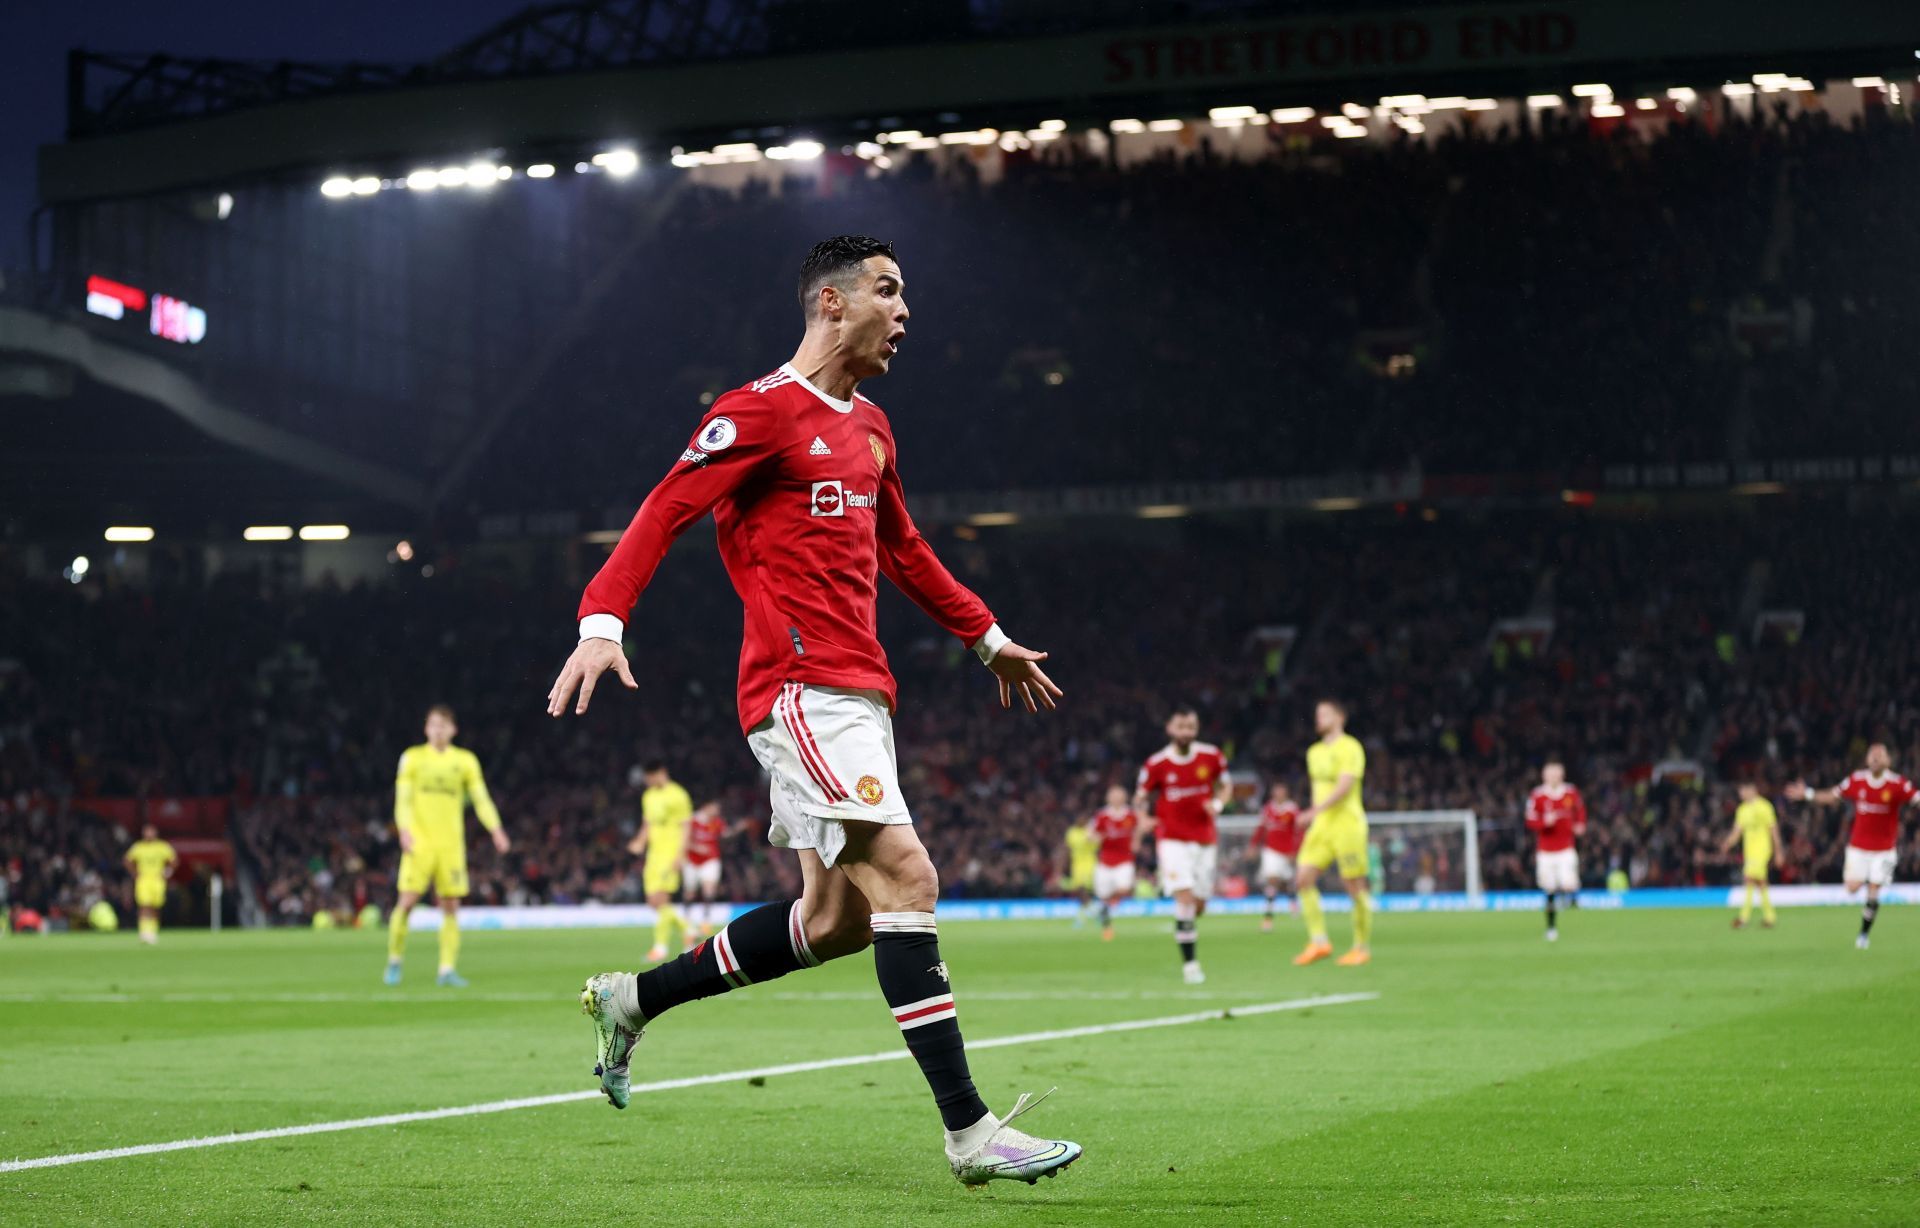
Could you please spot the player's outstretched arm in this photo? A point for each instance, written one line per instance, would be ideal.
(589, 660)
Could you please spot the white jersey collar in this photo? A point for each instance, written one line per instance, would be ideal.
(833, 403)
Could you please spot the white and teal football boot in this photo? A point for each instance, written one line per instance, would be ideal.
(992, 1150)
(608, 999)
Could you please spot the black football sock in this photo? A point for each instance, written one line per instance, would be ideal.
(1185, 931)
(1551, 912)
(1867, 914)
(1106, 914)
(1272, 895)
(913, 979)
(762, 945)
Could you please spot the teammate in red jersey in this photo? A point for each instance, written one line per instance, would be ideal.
(1276, 839)
(1878, 795)
(1556, 815)
(801, 474)
(1190, 779)
(704, 835)
(1118, 830)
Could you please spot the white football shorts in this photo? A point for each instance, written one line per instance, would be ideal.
(1275, 865)
(703, 875)
(1186, 866)
(1110, 881)
(1557, 871)
(829, 754)
(1873, 866)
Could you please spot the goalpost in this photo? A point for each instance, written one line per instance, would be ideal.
(1415, 852)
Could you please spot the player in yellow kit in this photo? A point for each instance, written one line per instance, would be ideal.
(436, 781)
(1083, 852)
(665, 812)
(1336, 836)
(1757, 827)
(151, 859)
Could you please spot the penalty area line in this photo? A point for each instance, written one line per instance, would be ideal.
(665, 1085)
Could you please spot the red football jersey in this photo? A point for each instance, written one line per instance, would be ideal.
(703, 839)
(806, 494)
(1278, 828)
(1876, 808)
(1185, 787)
(1114, 830)
(1556, 817)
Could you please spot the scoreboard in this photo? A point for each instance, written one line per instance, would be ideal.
(168, 318)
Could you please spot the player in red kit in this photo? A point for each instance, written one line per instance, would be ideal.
(1878, 795)
(704, 835)
(1556, 815)
(801, 474)
(1276, 838)
(1189, 778)
(1117, 829)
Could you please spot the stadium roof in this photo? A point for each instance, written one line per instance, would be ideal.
(566, 77)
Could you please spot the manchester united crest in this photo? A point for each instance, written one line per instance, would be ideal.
(1203, 771)
(869, 790)
(879, 453)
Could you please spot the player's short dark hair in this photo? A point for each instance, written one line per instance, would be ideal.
(1184, 710)
(654, 765)
(1337, 704)
(1553, 761)
(445, 710)
(832, 259)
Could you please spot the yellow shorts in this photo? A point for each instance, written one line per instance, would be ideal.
(1343, 841)
(1080, 878)
(443, 870)
(661, 878)
(1757, 867)
(150, 893)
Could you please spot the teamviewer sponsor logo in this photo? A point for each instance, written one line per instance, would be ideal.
(829, 499)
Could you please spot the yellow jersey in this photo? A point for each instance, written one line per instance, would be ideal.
(1327, 762)
(431, 792)
(1081, 849)
(1756, 820)
(667, 811)
(152, 860)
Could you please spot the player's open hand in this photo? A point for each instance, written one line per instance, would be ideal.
(590, 659)
(500, 841)
(1020, 674)
(406, 841)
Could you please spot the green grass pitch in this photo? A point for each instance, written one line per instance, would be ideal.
(1653, 1067)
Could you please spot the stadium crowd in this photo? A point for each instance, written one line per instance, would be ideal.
(1718, 292)
(1652, 684)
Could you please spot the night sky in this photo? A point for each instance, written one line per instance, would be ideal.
(38, 35)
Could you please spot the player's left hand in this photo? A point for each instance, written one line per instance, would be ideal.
(1020, 674)
(500, 840)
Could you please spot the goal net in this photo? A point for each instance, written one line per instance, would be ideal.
(1415, 852)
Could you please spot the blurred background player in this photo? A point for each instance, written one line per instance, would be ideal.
(1117, 830)
(705, 831)
(151, 859)
(1757, 827)
(1081, 849)
(1878, 795)
(1276, 841)
(1556, 815)
(435, 782)
(666, 812)
(1336, 834)
(1190, 778)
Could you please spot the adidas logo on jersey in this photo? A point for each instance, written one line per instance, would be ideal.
(819, 448)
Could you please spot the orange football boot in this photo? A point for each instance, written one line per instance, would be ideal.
(1355, 957)
(1315, 952)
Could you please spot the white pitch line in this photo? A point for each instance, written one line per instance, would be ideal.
(664, 1085)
